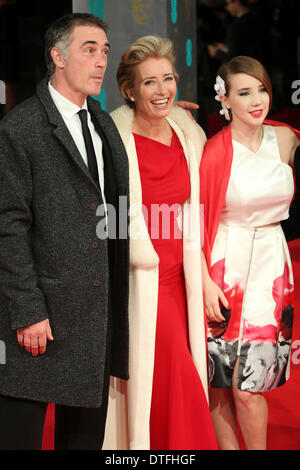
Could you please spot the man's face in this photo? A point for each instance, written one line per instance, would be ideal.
(81, 73)
(231, 7)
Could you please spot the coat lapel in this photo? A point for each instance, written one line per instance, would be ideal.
(112, 145)
(110, 189)
(60, 130)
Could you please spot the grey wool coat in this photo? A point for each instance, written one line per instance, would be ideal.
(52, 264)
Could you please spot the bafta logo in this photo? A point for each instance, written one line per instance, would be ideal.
(141, 10)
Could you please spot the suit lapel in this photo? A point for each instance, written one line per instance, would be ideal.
(112, 143)
(64, 136)
(60, 130)
(110, 189)
(116, 166)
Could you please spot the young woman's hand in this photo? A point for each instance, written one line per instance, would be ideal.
(213, 297)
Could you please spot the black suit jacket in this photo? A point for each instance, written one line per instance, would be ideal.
(244, 37)
(52, 264)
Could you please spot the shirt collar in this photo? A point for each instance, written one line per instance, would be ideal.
(64, 106)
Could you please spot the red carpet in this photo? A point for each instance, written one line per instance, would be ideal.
(284, 410)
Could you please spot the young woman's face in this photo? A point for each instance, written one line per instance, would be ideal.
(248, 100)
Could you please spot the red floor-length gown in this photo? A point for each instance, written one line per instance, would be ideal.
(180, 417)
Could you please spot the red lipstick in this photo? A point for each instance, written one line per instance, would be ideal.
(257, 114)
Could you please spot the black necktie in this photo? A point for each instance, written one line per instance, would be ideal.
(92, 161)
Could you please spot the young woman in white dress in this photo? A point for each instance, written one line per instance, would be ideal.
(247, 185)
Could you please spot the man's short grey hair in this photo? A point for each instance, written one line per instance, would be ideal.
(60, 32)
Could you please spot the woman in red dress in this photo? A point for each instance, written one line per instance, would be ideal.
(165, 401)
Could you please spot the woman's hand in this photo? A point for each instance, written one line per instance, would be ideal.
(213, 296)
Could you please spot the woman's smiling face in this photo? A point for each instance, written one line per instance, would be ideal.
(154, 88)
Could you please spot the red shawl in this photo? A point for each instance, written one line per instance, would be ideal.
(214, 178)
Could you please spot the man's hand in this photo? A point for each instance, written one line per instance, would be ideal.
(222, 47)
(34, 337)
(212, 49)
(218, 46)
(187, 105)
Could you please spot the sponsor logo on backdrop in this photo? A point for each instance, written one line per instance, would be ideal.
(189, 54)
(101, 98)
(97, 8)
(174, 14)
(141, 10)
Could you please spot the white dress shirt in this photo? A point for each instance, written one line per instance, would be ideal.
(69, 112)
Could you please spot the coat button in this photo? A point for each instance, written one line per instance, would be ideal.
(96, 283)
(95, 245)
(93, 206)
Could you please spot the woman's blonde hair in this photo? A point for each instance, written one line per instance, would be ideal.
(250, 66)
(138, 52)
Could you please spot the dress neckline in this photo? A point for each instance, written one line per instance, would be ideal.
(157, 141)
(247, 148)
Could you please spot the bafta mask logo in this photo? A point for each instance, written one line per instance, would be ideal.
(189, 52)
(2, 92)
(174, 13)
(97, 8)
(141, 10)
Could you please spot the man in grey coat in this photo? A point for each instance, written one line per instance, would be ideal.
(63, 290)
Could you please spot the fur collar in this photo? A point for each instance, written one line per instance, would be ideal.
(123, 118)
(192, 138)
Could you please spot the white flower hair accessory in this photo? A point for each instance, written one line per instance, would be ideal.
(221, 91)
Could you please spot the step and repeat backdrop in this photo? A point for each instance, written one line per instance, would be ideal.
(130, 19)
